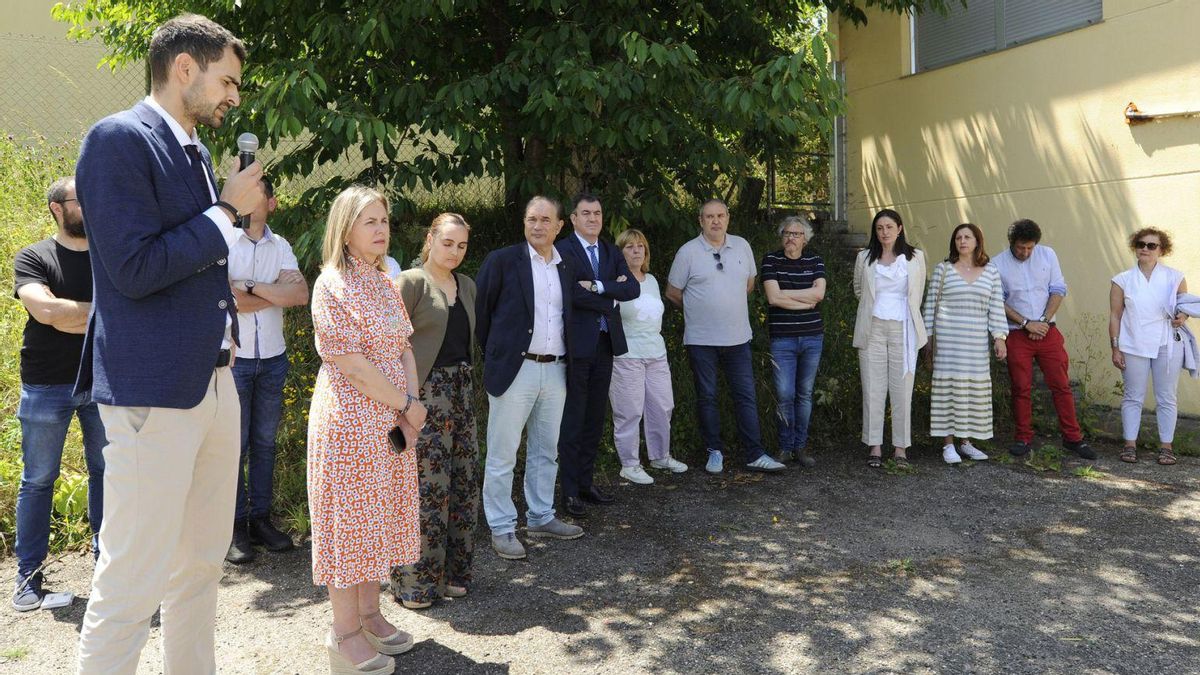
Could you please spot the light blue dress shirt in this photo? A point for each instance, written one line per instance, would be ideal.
(1029, 283)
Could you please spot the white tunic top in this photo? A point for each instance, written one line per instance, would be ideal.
(1149, 307)
(891, 290)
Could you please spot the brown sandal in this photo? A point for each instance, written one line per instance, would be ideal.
(1129, 454)
(1166, 456)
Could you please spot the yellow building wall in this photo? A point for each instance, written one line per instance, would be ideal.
(51, 86)
(1037, 131)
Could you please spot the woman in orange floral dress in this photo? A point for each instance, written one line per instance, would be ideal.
(362, 494)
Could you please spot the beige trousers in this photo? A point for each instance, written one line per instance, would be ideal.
(169, 493)
(881, 365)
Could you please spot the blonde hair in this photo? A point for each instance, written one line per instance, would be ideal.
(346, 208)
(442, 220)
(635, 236)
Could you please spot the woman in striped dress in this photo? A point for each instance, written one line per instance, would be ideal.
(965, 304)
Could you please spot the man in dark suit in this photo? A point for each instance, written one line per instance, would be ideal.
(596, 337)
(157, 352)
(522, 308)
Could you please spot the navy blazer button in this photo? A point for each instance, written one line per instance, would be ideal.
(531, 331)
(221, 261)
(522, 353)
(222, 304)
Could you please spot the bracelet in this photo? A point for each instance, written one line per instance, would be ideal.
(1115, 344)
(408, 403)
(233, 213)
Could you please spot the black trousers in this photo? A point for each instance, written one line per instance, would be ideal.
(583, 417)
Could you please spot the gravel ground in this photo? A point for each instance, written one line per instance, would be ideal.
(984, 568)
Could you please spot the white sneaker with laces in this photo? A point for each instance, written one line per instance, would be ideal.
(670, 464)
(972, 452)
(636, 474)
(950, 455)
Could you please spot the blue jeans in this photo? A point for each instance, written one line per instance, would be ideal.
(795, 360)
(259, 385)
(739, 375)
(532, 403)
(45, 413)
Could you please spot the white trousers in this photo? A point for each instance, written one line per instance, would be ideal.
(169, 493)
(881, 365)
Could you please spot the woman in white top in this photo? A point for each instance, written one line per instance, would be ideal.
(1142, 325)
(641, 378)
(889, 280)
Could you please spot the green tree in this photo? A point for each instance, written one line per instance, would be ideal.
(644, 102)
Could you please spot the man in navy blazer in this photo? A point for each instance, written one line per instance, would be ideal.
(522, 308)
(157, 352)
(596, 337)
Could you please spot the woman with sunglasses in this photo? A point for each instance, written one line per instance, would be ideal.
(1143, 328)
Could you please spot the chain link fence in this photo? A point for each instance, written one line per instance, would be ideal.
(53, 90)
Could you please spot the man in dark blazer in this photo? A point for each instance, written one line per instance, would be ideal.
(596, 337)
(157, 352)
(522, 308)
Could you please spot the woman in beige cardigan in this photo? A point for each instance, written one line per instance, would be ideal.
(441, 305)
(889, 280)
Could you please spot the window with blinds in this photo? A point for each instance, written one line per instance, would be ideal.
(991, 25)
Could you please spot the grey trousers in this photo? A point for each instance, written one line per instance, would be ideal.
(1165, 372)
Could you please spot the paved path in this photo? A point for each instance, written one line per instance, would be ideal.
(982, 568)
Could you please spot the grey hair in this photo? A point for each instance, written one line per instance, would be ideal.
(796, 220)
(713, 200)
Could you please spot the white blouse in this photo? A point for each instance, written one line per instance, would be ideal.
(891, 291)
(1149, 308)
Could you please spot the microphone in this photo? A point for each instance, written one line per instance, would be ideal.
(247, 145)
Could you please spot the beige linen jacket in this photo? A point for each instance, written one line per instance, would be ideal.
(864, 288)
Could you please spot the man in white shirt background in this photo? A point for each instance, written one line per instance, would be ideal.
(265, 278)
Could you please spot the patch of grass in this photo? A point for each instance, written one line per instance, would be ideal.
(893, 469)
(1186, 444)
(1089, 472)
(903, 567)
(1046, 458)
(14, 653)
(1003, 458)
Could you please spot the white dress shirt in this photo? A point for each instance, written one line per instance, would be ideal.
(548, 294)
(261, 332)
(216, 214)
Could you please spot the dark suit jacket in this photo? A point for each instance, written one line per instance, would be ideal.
(504, 312)
(158, 264)
(589, 307)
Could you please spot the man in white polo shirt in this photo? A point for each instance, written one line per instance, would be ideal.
(265, 278)
(710, 278)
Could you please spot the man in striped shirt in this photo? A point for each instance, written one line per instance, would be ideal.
(794, 283)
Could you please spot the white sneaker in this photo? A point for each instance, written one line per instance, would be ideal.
(949, 454)
(972, 452)
(670, 464)
(636, 474)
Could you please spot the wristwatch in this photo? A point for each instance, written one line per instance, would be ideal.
(249, 286)
(594, 288)
(1024, 322)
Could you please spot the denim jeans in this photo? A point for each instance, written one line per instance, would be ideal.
(533, 403)
(45, 413)
(259, 385)
(739, 375)
(795, 360)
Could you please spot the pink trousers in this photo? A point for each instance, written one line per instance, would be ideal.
(641, 388)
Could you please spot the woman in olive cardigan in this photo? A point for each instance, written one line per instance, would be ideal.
(441, 306)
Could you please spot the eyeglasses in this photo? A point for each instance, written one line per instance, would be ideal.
(1148, 245)
(64, 201)
(717, 257)
(793, 235)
